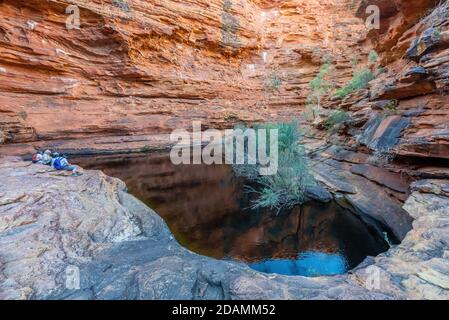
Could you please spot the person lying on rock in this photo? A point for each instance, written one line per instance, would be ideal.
(47, 157)
(37, 158)
(56, 161)
(61, 163)
(44, 158)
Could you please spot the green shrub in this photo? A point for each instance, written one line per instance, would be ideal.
(318, 87)
(359, 81)
(380, 70)
(382, 157)
(437, 33)
(336, 118)
(23, 115)
(354, 63)
(273, 82)
(231, 116)
(286, 188)
(390, 109)
(373, 57)
(311, 113)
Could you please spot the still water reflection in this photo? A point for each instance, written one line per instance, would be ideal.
(207, 211)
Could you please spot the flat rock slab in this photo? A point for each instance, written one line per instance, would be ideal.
(367, 197)
(393, 181)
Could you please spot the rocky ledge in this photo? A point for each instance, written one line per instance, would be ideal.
(53, 225)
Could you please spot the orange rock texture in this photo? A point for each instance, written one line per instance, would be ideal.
(414, 44)
(138, 67)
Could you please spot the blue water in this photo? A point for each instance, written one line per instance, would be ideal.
(308, 264)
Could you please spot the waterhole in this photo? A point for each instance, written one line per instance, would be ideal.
(208, 212)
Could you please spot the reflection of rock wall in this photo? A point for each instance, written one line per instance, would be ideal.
(160, 64)
(174, 189)
(205, 208)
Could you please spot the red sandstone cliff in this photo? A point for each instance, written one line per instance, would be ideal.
(153, 66)
(398, 129)
(414, 43)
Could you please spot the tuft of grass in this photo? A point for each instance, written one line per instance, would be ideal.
(373, 57)
(231, 116)
(354, 63)
(390, 109)
(311, 113)
(359, 81)
(273, 82)
(380, 70)
(335, 119)
(121, 4)
(23, 115)
(437, 33)
(382, 157)
(287, 187)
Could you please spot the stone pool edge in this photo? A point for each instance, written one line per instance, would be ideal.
(50, 221)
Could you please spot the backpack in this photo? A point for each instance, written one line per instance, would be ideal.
(36, 157)
(60, 163)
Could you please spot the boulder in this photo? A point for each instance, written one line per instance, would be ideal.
(318, 193)
(414, 74)
(422, 45)
(383, 133)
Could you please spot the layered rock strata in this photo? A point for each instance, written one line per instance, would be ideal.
(148, 67)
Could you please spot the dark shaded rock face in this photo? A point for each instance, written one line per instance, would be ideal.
(415, 74)
(355, 184)
(428, 40)
(383, 133)
(402, 88)
(319, 193)
(413, 44)
(51, 223)
(392, 181)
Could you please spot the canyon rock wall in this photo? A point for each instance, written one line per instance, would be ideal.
(415, 50)
(139, 67)
(397, 129)
(404, 112)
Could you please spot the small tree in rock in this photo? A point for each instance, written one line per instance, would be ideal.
(319, 86)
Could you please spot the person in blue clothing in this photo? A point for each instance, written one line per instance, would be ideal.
(56, 161)
(61, 163)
